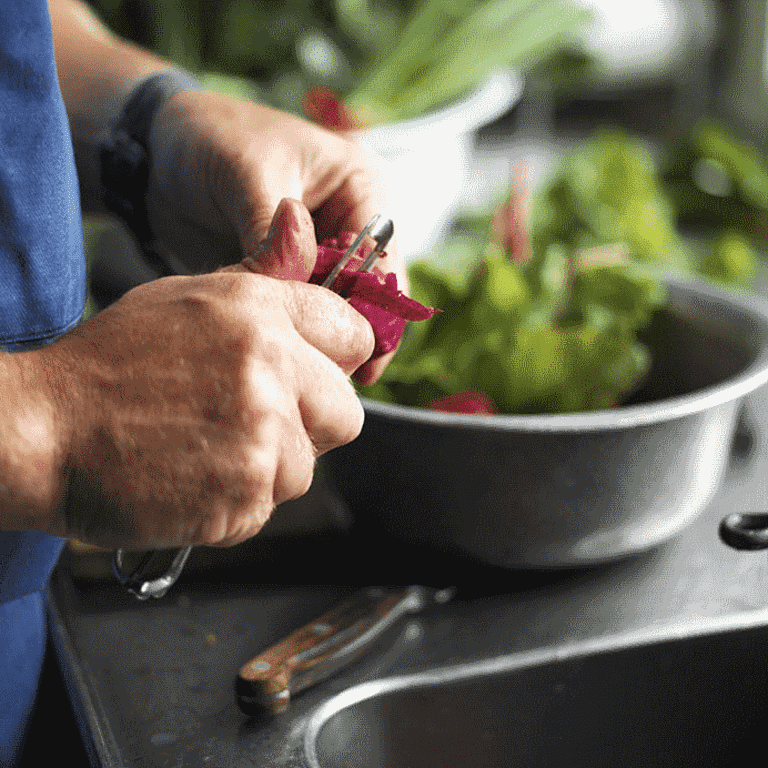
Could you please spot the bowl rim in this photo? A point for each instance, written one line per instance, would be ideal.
(749, 305)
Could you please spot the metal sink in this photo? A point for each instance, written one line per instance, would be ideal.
(686, 696)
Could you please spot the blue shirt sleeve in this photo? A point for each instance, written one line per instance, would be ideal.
(42, 294)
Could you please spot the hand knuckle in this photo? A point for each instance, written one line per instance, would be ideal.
(240, 499)
(357, 341)
(259, 472)
(363, 340)
(304, 474)
(351, 426)
(199, 305)
(342, 426)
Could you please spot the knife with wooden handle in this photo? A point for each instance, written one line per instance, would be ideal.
(266, 684)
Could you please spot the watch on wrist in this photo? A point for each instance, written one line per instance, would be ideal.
(125, 159)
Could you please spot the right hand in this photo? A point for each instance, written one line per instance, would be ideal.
(193, 405)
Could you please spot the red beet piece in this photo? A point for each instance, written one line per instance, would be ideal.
(324, 107)
(468, 401)
(374, 295)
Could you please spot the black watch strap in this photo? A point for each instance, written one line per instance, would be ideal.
(125, 161)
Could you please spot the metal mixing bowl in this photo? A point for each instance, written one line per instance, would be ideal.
(573, 489)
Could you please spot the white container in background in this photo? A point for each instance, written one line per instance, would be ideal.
(428, 160)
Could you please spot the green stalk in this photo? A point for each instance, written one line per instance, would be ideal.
(472, 33)
(351, 13)
(546, 25)
(485, 20)
(428, 22)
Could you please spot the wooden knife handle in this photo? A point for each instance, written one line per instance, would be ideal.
(324, 646)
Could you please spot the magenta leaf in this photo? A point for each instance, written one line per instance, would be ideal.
(468, 401)
(374, 295)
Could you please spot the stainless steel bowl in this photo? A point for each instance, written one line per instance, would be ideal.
(574, 489)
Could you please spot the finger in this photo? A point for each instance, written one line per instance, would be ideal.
(281, 460)
(370, 371)
(292, 158)
(323, 417)
(346, 192)
(332, 415)
(327, 322)
(319, 316)
(235, 524)
(289, 251)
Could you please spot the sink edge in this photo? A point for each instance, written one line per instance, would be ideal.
(691, 627)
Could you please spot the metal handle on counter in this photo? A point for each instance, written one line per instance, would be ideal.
(137, 583)
(745, 531)
(324, 646)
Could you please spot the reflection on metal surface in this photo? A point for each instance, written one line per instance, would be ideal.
(138, 581)
(691, 694)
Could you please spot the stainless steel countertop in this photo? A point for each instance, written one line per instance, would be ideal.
(153, 682)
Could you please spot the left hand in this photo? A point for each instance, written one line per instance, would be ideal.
(221, 166)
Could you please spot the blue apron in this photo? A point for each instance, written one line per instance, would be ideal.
(42, 292)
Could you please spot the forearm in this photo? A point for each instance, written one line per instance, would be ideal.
(96, 70)
(31, 445)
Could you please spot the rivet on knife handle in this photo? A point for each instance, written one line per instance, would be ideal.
(311, 654)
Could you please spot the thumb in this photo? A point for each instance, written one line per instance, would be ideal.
(289, 251)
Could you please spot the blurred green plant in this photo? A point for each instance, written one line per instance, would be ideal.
(279, 45)
(718, 179)
(560, 343)
(389, 59)
(612, 190)
(547, 315)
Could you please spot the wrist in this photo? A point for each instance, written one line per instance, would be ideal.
(33, 444)
(125, 157)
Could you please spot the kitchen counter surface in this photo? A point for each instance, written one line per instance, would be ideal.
(153, 683)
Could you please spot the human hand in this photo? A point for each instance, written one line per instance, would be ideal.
(195, 404)
(222, 165)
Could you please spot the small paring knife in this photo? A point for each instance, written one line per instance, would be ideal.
(326, 645)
